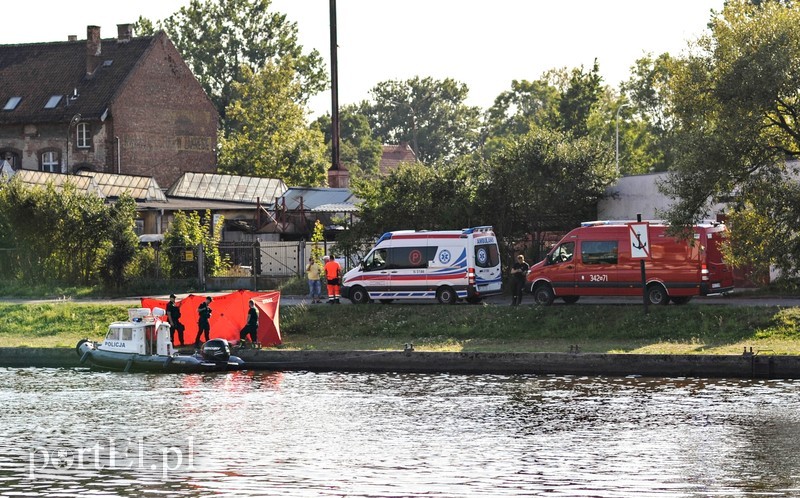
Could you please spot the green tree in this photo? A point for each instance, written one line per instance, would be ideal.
(546, 180)
(735, 104)
(269, 136)
(649, 140)
(186, 233)
(359, 151)
(428, 114)
(218, 38)
(317, 236)
(61, 234)
(124, 242)
(526, 105)
(578, 100)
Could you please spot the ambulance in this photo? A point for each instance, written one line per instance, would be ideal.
(596, 259)
(448, 265)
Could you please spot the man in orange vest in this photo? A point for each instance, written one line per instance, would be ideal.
(333, 273)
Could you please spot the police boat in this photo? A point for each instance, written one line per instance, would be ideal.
(143, 343)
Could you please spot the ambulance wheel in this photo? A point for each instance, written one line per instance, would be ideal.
(446, 295)
(543, 294)
(657, 294)
(359, 295)
(681, 299)
(571, 299)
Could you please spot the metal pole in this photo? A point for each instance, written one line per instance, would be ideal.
(334, 92)
(644, 276)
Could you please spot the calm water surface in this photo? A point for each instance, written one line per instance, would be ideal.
(76, 432)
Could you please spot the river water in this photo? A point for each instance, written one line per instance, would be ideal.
(77, 432)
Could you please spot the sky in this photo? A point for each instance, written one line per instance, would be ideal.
(485, 45)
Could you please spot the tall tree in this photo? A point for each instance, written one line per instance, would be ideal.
(646, 91)
(736, 103)
(546, 180)
(268, 135)
(578, 100)
(428, 114)
(218, 38)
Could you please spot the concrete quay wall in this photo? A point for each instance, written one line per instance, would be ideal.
(646, 365)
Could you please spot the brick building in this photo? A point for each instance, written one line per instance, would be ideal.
(126, 105)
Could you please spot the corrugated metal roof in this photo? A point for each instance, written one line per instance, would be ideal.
(313, 197)
(40, 178)
(227, 188)
(336, 208)
(141, 188)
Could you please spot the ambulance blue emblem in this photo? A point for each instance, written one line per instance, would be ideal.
(482, 255)
(444, 256)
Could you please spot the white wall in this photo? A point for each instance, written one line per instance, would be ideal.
(639, 194)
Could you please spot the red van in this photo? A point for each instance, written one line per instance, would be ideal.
(595, 260)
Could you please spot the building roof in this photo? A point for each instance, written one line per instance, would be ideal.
(235, 188)
(312, 198)
(84, 184)
(393, 155)
(36, 72)
(141, 188)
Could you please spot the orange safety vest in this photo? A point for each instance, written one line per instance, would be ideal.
(332, 270)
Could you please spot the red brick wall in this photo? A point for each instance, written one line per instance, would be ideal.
(165, 122)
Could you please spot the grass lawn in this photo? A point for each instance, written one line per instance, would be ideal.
(485, 328)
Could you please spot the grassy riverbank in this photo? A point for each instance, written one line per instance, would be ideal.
(593, 328)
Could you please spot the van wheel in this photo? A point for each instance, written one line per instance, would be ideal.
(657, 294)
(681, 299)
(474, 300)
(446, 295)
(359, 295)
(571, 299)
(543, 294)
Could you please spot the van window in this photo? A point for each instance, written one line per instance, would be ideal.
(486, 255)
(376, 260)
(410, 257)
(601, 252)
(562, 253)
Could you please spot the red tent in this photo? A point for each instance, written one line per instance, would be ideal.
(229, 315)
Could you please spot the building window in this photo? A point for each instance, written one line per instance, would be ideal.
(83, 136)
(138, 227)
(53, 102)
(50, 162)
(11, 157)
(12, 103)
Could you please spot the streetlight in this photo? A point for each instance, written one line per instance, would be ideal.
(617, 124)
(72, 123)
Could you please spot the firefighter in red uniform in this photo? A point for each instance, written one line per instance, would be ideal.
(333, 273)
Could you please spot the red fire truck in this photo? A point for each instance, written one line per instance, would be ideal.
(595, 260)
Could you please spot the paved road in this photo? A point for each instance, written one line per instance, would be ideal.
(734, 300)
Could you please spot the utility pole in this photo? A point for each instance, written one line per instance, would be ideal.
(334, 91)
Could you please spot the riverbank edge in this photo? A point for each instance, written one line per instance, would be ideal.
(594, 364)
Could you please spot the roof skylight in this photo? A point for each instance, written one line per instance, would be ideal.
(53, 102)
(12, 103)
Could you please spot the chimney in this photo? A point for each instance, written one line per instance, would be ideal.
(339, 178)
(93, 48)
(72, 38)
(124, 33)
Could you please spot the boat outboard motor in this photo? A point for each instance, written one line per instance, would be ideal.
(216, 350)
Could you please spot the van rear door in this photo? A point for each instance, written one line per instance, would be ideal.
(720, 275)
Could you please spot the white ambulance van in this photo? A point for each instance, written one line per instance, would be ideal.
(448, 265)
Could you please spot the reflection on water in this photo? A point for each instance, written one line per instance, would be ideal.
(70, 432)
